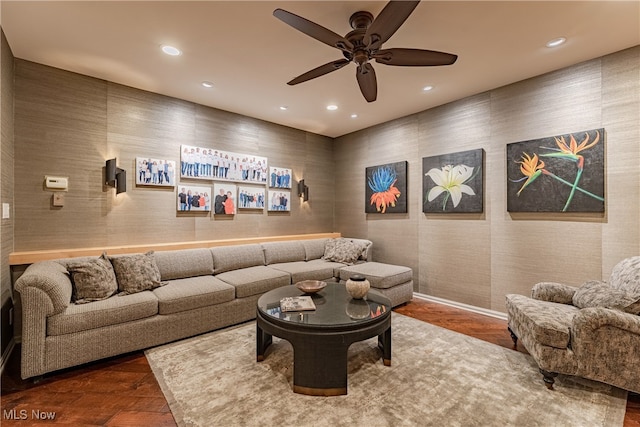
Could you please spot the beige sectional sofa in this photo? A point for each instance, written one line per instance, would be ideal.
(201, 290)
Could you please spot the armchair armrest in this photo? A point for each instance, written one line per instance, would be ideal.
(606, 344)
(553, 292)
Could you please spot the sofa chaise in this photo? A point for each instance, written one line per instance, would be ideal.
(165, 296)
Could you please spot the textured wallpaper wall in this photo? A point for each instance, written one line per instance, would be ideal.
(6, 188)
(476, 259)
(68, 125)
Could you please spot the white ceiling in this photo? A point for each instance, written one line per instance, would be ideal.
(249, 55)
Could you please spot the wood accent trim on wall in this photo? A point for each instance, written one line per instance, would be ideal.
(29, 257)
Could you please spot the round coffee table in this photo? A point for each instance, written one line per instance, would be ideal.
(321, 338)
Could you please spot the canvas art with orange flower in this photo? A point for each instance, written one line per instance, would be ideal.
(563, 173)
(386, 188)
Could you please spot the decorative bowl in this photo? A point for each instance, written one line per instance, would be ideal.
(311, 286)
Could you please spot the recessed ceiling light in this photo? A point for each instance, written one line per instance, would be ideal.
(284, 107)
(427, 88)
(170, 50)
(354, 116)
(207, 84)
(556, 42)
(332, 107)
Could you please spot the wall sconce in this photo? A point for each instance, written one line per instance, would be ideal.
(303, 190)
(115, 177)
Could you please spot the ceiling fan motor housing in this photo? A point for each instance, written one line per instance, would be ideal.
(361, 20)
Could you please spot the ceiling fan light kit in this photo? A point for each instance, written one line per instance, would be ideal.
(364, 44)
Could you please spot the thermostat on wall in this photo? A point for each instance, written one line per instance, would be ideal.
(56, 183)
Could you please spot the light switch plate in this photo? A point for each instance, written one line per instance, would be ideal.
(6, 211)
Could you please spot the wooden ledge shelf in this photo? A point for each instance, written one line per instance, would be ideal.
(29, 257)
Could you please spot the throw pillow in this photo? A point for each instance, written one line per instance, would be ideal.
(329, 249)
(92, 280)
(364, 250)
(600, 294)
(625, 276)
(342, 250)
(136, 273)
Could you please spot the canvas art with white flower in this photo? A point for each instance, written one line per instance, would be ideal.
(453, 182)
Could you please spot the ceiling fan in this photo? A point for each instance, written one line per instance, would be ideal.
(364, 44)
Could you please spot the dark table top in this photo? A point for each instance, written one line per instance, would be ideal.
(334, 307)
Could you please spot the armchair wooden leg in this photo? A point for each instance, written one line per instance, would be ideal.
(548, 378)
(514, 338)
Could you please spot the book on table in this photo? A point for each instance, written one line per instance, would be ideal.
(301, 303)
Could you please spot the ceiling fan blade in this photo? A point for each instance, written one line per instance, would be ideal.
(387, 22)
(319, 71)
(314, 30)
(367, 81)
(413, 57)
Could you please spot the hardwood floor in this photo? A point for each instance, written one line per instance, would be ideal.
(122, 391)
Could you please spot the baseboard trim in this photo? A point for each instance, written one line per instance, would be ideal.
(7, 354)
(467, 307)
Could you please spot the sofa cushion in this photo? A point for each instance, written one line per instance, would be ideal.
(184, 263)
(303, 270)
(314, 248)
(336, 266)
(228, 258)
(111, 311)
(600, 294)
(343, 250)
(191, 293)
(255, 280)
(548, 323)
(379, 275)
(93, 279)
(136, 273)
(625, 276)
(277, 252)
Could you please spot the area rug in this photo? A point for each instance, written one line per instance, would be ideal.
(437, 378)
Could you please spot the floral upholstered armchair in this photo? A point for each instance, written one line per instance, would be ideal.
(591, 331)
